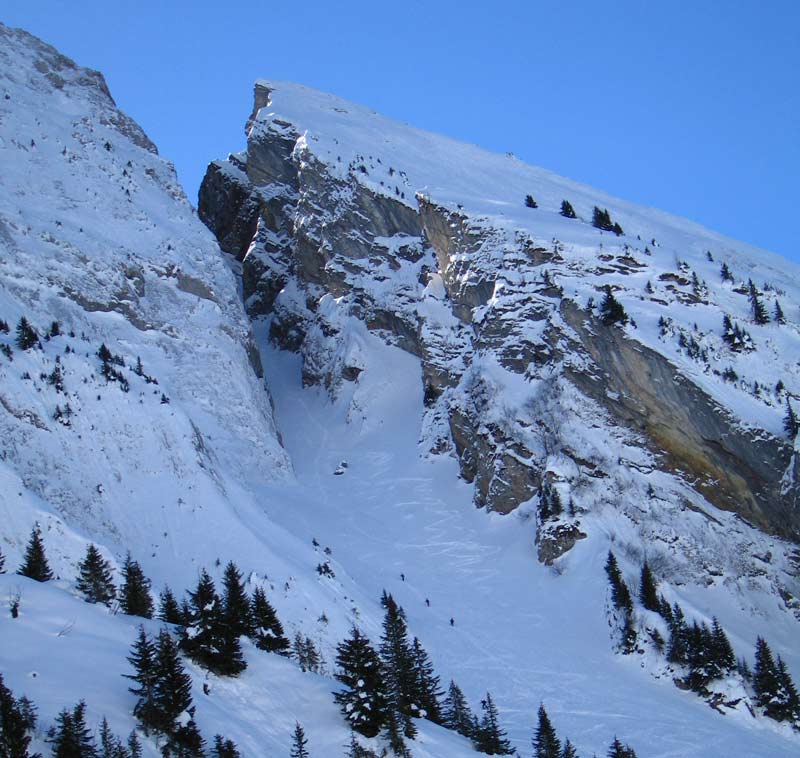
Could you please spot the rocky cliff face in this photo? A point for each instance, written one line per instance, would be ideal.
(331, 224)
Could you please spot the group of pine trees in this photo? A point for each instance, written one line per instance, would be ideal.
(386, 688)
(550, 506)
(546, 743)
(210, 626)
(601, 219)
(773, 686)
(704, 651)
(735, 336)
(164, 696)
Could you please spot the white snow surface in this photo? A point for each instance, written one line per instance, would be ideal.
(203, 479)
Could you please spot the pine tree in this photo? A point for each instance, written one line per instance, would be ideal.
(134, 594)
(305, 652)
(699, 657)
(110, 745)
(134, 746)
(173, 687)
(677, 652)
(94, 580)
(428, 692)
(456, 713)
(779, 317)
(34, 564)
(648, 592)
(601, 219)
(766, 679)
(224, 748)
(788, 697)
(201, 639)
(356, 750)
(620, 594)
(530, 202)
(143, 660)
(568, 751)
(725, 273)
(545, 741)
(398, 660)
(759, 311)
(267, 631)
(185, 742)
(168, 609)
(364, 703)
(611, 310)
(722, 654)
(790, 422)
(618, 750)
(2, 563)
(70, 737)
(17, 721)
(394, 734)
(621, 597)
(567, 211)
(491, 739)
(26, 335)
(299, 742)
(235, 603)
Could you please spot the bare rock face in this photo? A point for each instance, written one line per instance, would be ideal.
(554, 540)
(736, 470)
(470, 297)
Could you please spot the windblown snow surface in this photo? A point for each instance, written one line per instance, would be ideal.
(203, 479)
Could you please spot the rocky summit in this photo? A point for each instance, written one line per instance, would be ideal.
(403, 444)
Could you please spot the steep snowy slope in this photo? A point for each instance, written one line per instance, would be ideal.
(96, 234)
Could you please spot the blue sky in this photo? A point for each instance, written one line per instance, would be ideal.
(693, 107)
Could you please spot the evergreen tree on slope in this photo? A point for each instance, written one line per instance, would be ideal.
(618, 750)
(648, 592)
(364, 703)
(70, 737)
(224, 748)
(34, 564)
(267, 631)
(168, 609)
(398, 660)
(456, 712)
(235, 603)
(299, 742)
(200, 640)
(491, 739)
(94, 578)
(134, 593)
(143, 660)
(173, 687)
(545, 741)
(427, 684)
(17, 722)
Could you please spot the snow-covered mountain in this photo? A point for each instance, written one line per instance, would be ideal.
(390, 338)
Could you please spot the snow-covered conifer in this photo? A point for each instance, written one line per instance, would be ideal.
(94, 578)
(34, 564)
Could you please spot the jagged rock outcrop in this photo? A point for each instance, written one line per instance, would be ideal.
(329, 236)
